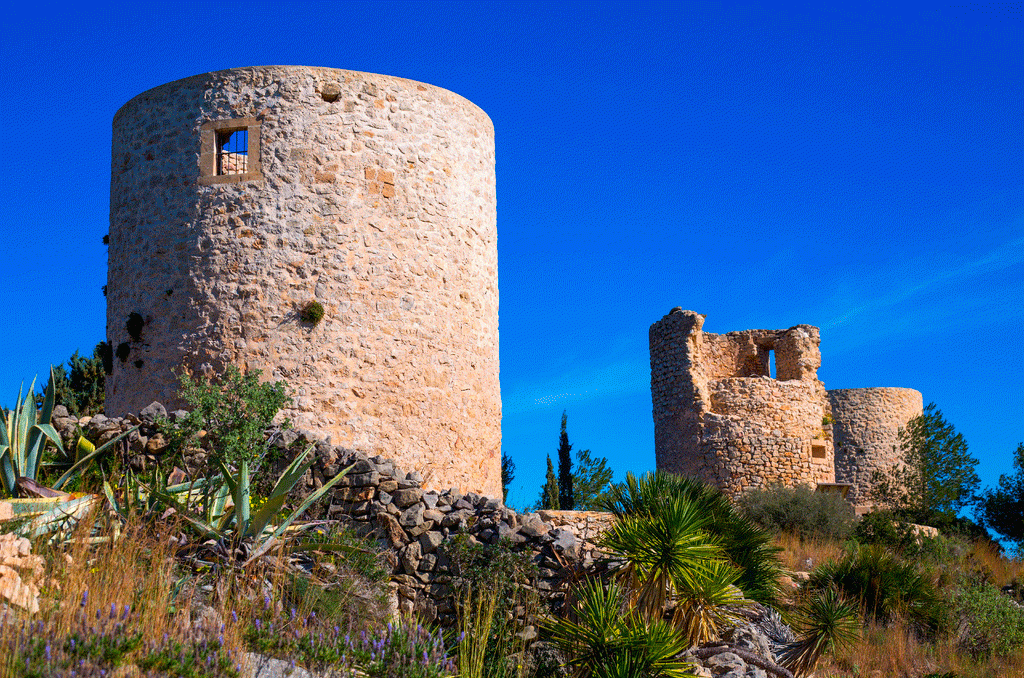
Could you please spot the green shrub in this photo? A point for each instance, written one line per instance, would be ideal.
(746, 545)
(80, 387)
(885, 586)
(234, 410)
(493, 606)
(799, 510)
(313, 312)
(608, 640)
(985, 622)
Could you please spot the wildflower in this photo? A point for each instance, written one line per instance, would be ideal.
(85, 597)
(266, 601)
(127, 611)
(234, 616)
(49, 657)
(113, 610)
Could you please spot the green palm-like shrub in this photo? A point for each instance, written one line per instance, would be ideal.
(884, 585)
(608, 640)
(709, 607)
(746, 545)
(799, 510)
(662, 554)
(985, 622)
(824, 623)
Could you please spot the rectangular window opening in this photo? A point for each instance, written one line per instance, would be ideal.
(771, 364)
(818, 449)
(232, 151)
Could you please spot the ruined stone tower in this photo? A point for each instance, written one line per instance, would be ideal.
(721, 416)
(866, 427)
(240, 197)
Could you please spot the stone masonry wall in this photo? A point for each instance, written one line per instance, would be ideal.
(720, 417)
(380, 499)
(371, 194)
(866, 422)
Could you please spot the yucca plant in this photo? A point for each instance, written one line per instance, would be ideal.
(709, 607)
(660, 555)
(748, 547)
(826, 622)
(609, 640)
(24, 431)
(884, 585)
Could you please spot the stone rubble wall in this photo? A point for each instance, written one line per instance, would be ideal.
(374, 196)
(720, 417)
(866, 423)
(381, 500)
(760, 432)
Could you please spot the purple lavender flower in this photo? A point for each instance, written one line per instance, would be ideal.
(113, 611)
(85, 597)
(49, 657)
(234, 616)
(127, 611)
(266, 602)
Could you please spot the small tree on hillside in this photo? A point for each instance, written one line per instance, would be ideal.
(565, 489)
(1002, 508)
(508, 474)
(590, 481)
(549, 492)
(935, 478)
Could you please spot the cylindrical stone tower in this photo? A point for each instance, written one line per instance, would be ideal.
(865, 425)
(241, 197)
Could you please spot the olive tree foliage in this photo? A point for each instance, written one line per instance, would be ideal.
(1002, 507)
(935, 477)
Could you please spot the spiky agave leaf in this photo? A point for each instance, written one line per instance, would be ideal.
(826, 623)
(24, 431)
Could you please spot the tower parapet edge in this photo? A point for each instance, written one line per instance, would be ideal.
(371, 195)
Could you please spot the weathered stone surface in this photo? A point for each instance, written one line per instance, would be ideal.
(412, 516)
(408, 497)
(372, 194)
(392, 530)
(153, 412)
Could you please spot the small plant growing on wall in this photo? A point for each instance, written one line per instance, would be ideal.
(312, 313)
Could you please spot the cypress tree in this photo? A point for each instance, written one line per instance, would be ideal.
(549, 493)
(565, 495)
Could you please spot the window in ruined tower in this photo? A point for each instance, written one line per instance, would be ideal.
(232, 152)
(229, 151)
(818, 449)
(771, 363)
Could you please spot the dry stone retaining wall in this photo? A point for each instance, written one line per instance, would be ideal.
(866, 426)
(380, 499)
(374, 196)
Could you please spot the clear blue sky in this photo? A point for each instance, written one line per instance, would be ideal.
(860, 169)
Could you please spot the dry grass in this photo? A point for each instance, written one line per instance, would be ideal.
(169, 601)
(803, 555)
(898, 652)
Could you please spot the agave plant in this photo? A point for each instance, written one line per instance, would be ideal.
(214, 517)
(610, 641)
(825, 623)
(24, 431)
